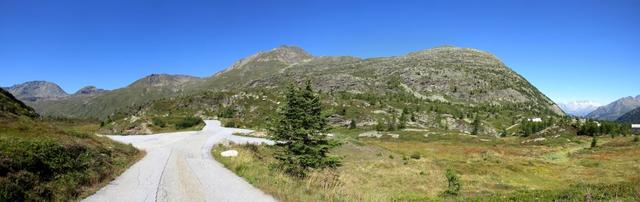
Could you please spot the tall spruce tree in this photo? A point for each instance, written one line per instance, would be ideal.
(299, 133)
(476, 126)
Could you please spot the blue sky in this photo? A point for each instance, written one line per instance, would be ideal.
(570, 50)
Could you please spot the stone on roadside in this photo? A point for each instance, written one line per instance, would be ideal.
(229, 153)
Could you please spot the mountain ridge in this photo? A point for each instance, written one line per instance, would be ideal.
(450, 74)
(615, 109)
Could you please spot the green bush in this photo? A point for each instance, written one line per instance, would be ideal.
(415, 155)
(157, 121)
(453, 188)
(45, 170)
(232, 123)
(188, 122)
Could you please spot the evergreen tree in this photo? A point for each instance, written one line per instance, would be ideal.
(594, 141)
(391, 124)
(299, 134)
(380, 125)
(476, 126)
(403, 118)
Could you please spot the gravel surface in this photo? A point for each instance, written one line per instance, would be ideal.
(179, 167)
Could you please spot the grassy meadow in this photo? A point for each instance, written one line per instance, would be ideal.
(412, 168)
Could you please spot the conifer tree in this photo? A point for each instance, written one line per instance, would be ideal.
(476, 126)
(299, 133)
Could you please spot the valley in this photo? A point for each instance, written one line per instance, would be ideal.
(404, 127)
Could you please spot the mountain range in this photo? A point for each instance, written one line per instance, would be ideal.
(615, 109)
(579, 108)
(461, 80)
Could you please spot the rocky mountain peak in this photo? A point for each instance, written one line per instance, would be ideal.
(37, 90)
(90, 90)
(452, 54)
(157, 80)
(284, 54)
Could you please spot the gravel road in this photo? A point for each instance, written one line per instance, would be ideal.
(179, 167)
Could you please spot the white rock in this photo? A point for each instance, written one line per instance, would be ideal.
(229, 153)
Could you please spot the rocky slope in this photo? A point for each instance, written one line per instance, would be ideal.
(443, 87)
(33, 91)
(632, 116)
(447, 84)
(617, 108)
(447, 74)
(89, 90)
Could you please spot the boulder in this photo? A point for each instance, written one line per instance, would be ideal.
(229, 153)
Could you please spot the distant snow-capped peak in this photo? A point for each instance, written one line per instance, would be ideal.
(580, 108)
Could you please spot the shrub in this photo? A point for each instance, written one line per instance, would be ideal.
(158, 122)
(636, 138)
(227, 112)
(188, 122)
(594, 141)
(232, 123)
(46, 170)
(415, 155)
(380, 125)
(352, 125)
(453, 188)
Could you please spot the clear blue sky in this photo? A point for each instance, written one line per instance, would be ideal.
(570, 50)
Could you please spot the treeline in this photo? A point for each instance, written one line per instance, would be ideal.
(530, 127)
(593, 128)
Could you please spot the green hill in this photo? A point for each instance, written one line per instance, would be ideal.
(441, 87)
(41, 162)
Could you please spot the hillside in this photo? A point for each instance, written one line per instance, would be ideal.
(615, 109)
(42, 162)
(632, 116)
(101, 105)
(33, 91)
(442, 87)
(447, 74)
(10, 107)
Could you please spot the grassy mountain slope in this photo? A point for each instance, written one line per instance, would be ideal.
(41, 162)
(10, 107)
(102, 105)
(631, 117)
(442, 87)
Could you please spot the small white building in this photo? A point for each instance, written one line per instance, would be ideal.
(535, 119)
(635, 128)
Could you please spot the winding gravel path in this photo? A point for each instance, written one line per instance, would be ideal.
(179, 167)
